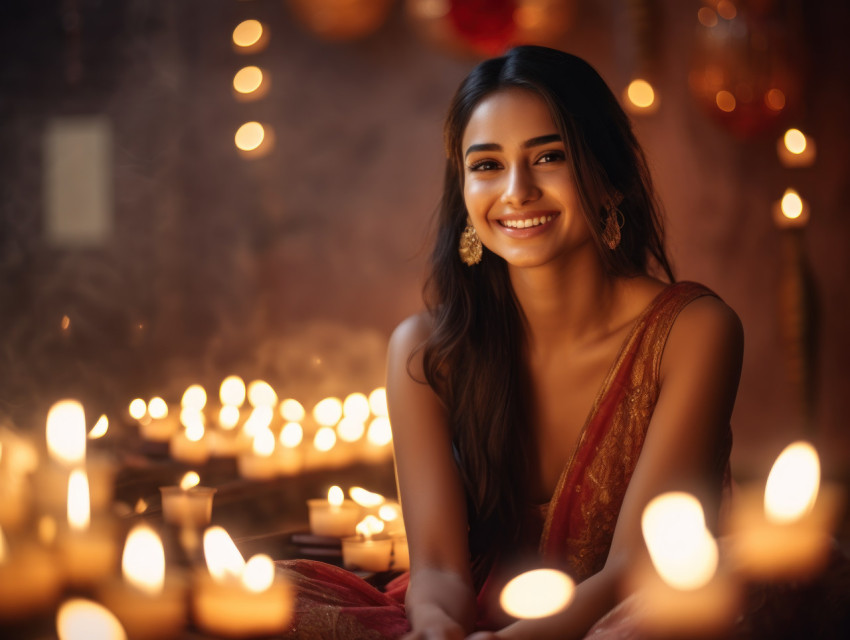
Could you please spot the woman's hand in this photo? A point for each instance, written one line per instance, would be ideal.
(432, 623)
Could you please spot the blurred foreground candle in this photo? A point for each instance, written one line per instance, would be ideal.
(187, 504)
(786, 532)
(682, 594)
(89, 551)
(366, 552)
(538, 593)
(29, 579)
(236, 599)
(336, 516)
(150, 604)
(80, 619)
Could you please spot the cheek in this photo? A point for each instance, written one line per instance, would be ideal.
(476, 195)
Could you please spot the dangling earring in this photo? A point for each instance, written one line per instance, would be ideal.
(470, 248)
(613, 223)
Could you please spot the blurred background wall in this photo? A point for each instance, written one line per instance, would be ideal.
(141, 251)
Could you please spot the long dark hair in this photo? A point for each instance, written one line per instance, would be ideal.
(474, 358)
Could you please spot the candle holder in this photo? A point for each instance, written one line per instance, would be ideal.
(187, 507)
(327, 519)
(147, 616)
(90, 555)
(367, 554)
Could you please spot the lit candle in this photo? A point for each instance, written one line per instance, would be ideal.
(538, 593)
(29, 580)
(335, 516)
(796, 149)
(159, 425)
(682, 593)
(791, 211)
(189, 445)
(80, 619)
(89, 552)
(390, 513)
(370, 502)
(290, 460)
(236, 599)
(260, 464)
(365, 551)
(148, 603)
(187, 504)
(380, 437)
(786, 531)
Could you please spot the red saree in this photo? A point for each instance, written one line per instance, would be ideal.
(580, 519)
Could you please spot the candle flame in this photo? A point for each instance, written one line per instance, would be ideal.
(350, 429)
(356, 407)
(100, 428)
(259, 419)
(195, 397)
(325, 439)
(795, 141)
(80, 619)
(138, 408)
(291, 410)
(793, 483)
(232, 391)
(263, 443)
(291, 435)
(537, 594)
(366, 498)
(190, 416)
(223, 558)
(228, 417)
(66, 432)
(681, 548)
(258, 574)
(792, 204)
(247, 33)
(195, 430)
(157, 408)
(335, 496)
(261, 394)
(79, 500)
(327, 412)
(389, 512)
(190, 479)
(143, 561)
(369, 526)
(380, 432)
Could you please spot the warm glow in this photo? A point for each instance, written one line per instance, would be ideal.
(263, 443)
(249, 136)
(291, 410)
(141, 506)
(327, 412)
(100, 428)
(195, 397)
(430, 9)
(369, 526)
(775, 100)
(681, 548)
(157, 408)
(640, 93)
(335, 496)
(195, 431)
(79, 500)
(190, 479)
(356, 407)
(260, 418)
(66, 432)
(46, 528)
(247, 33)
(223, 558)
(325, 439)
(365, 498)
(258, 574)
(143, 561)
(707, 17)
(389, 512)
(350, 429)
(291, 435)
(248, 79)
(79, 619)
(138, 409)
(795, 141)
(261, 394)
(380, 432)
(65, 323)
(792, 204)
(228, 416)
(537, 594)
(726, 9)
(378, 402)
(232, 391)
(793, 482)
(725, 101)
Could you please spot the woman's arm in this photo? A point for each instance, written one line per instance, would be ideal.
(700, 370)
(440, 599)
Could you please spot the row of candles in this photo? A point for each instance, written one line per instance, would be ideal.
(269, 437)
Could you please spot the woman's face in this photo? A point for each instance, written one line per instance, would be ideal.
(518, 188)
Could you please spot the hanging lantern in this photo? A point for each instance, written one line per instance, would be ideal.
(743, 73)
(341, 20)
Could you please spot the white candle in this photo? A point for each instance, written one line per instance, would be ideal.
(187, 504)
(260, 463)
(189, 445)
(366, 552)
(335, 516)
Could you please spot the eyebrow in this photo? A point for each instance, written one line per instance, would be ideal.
(533, 142)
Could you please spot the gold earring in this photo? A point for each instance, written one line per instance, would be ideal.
(611, 235)
(470, 248)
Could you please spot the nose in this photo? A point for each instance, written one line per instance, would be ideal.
(520, 188)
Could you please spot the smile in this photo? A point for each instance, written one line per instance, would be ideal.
(527, 222)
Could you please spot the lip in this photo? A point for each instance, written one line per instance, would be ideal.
(526, 232)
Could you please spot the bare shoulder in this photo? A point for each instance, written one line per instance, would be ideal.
(405, 345)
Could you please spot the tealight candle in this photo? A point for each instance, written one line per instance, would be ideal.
(260, 464)
(236, 599)
(29, 580)
(149, 604)
(682, 593)
(290, 460)
(364, 551)
(335, 516)
(189, 445)
(786, 532)
(187, 504)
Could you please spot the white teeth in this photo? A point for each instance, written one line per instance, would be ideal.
(528, 222)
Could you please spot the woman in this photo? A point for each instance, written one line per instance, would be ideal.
(555, 384)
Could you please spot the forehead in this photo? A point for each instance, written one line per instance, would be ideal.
(509, 114)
